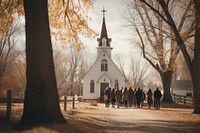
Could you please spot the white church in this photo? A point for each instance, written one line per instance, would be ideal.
(104, 71)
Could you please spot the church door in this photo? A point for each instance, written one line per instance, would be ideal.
(102, 88)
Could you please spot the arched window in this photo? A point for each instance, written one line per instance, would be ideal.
(116, 84)
(104, 65)
(92, 86)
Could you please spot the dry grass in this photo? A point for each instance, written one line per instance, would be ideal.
(177, 112)
(84, 117)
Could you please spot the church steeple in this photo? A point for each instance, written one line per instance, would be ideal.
(104, 40)
(103, 29)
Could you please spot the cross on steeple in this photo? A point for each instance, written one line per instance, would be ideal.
(104, 40)
(103, 11)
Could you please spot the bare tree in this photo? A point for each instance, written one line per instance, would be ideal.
(84, 66)
(139, 73)
(70, 67)
(20, 68)
(157, 39)
(75, 58)
(7, 43)
(121, 64)
(181, 71)
(61, 70)
(193, 62)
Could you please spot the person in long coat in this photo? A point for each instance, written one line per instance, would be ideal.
(118, 97)
(149, 97)
(125, 96)
(130, 96)
(134, 98)
(121, 100)
(106, 96)
(112, 97)
(157, 97)
(138, 96)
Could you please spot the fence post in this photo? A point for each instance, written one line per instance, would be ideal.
(65, 103)
(73, 103)
(174, 98)
(184, 100)
(9, 103)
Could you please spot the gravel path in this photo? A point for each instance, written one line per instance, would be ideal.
(129, 120)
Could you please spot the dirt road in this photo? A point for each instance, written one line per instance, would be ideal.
(86, 118)
(129, 120)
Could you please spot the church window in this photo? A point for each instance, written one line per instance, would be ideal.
(104, 42)
(92, 86)
(104, 65)
(116, 84)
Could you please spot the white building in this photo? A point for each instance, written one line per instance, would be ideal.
(182, 87)
(103, 72)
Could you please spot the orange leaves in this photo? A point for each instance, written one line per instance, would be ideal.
(68, 20)
(5, 21)
(87, 4)
(11, 7)
(7, 9)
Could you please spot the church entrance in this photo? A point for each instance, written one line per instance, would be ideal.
(102, 89)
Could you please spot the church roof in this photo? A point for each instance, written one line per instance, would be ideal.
(104, 33)
(181, 84)
(104, 30)
(104, 74)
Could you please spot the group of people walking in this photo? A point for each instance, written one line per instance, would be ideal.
(131, 98)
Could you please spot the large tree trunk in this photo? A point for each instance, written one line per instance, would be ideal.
(41, 103)
(196, 62)
(166, 81)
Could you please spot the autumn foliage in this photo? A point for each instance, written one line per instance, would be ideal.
(68, 21)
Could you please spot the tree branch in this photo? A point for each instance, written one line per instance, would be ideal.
(143, 51)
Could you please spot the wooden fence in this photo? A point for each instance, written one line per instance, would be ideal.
(182, 99)
(9, 101)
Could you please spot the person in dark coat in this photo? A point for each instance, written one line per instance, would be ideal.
(121, 100)
(125, 96)
(106, 96)
(118, 97)
(138, 96)
(134, 98)
(130, 96)
(109, 91)
(149, 98)
(112, 97)
(157, 97)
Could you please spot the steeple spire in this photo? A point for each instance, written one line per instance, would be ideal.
(104, 34)
(103, 29)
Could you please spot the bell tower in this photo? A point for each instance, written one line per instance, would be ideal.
(104, 41)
